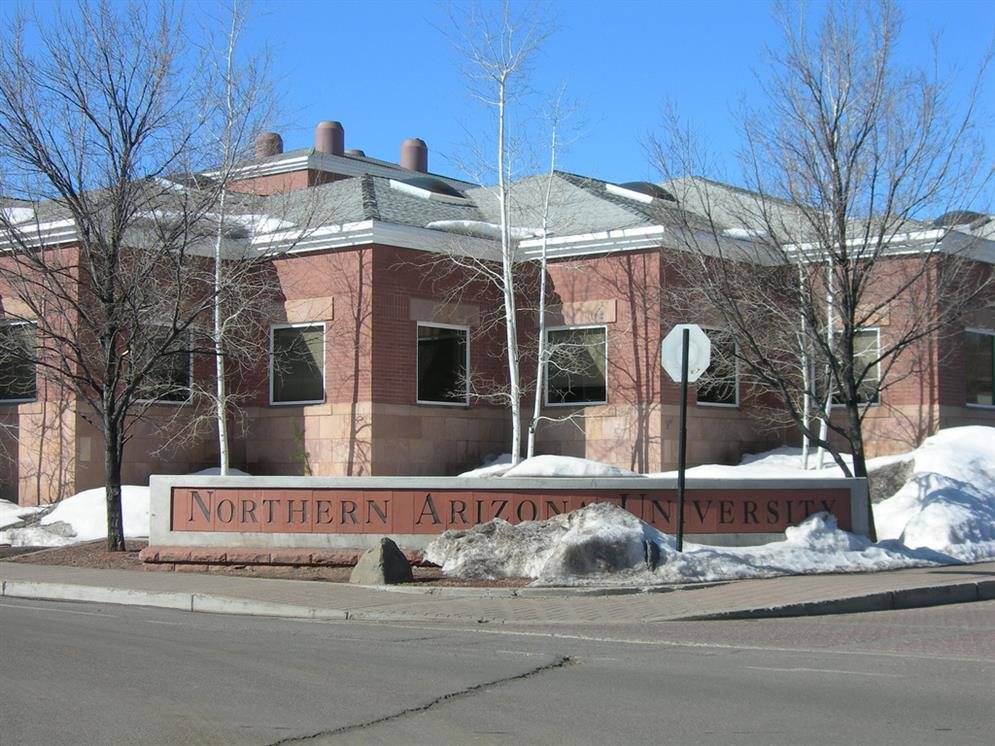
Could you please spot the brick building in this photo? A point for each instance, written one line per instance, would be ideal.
(385, 358)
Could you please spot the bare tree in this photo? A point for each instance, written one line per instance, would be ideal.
(822, 269)
(546, 354)
(498, 48)
(238, 101)
(107, 258)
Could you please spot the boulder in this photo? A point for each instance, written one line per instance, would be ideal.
(885, 481)
(383, 564)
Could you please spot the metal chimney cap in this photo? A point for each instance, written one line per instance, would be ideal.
(329, 138)
(414, 155)
(267, 144)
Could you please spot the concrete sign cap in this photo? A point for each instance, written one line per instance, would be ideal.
(699, 352)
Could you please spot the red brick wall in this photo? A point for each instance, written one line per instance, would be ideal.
(638, 427)
(404, 276)
(282, 183)
(370, 422)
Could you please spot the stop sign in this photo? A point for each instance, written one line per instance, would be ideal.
(699, 352)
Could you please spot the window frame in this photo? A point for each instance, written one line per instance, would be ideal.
(735, 362)
(545, 363)
(23, 322)
(877, 389)
(466, 364)
(272, 360)
(991, 335)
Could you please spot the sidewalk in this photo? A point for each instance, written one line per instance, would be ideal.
(742, 599)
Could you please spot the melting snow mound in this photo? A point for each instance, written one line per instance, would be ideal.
(603, 543)
(83, 517)
(548, 466)
(595, 540)
(948, 505)
(944, 514)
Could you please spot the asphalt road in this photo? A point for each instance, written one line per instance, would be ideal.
(92, 674)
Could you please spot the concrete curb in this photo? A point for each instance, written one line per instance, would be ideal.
(908, 598)
(179, 601)
(542, 591)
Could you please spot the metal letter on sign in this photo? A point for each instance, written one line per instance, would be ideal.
(699, 352)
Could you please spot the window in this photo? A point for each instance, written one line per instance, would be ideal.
(443, 363)
(17, 366)
(576, 363)
(980, 367)
(171, 375)
(297, 354)
(719, 384)
(866, 348)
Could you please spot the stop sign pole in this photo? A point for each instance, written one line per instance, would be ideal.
(688, 337)
(682, 446)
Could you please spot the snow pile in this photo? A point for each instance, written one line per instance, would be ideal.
(494, 467)
(83, 517)
(565, 466)
(86, 512)
(602, 543)
(949, 503)
(548, 466)
(11, 513)
(214, 471)
(595, 540)
(781, 463)
(944, 514)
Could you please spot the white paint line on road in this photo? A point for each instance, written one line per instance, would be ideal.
(53, 610)
(825, 670)
(692, 645)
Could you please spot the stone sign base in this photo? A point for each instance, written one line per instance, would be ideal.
(328, 521)
(208, 557)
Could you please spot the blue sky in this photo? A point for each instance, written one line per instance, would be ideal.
(385, 70)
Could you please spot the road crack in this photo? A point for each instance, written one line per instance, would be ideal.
(560, 662)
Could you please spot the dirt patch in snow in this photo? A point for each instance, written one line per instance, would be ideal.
(86, 554)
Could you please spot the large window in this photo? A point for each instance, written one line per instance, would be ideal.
(719, 384)
(297, 375)
(576, 364)
(866, 349)
(171, 375)
(443, 363)
(17, 367)
(980, 362)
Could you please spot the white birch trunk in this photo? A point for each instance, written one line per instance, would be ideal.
(541, 320)
(508, 286)
(221, 390)
(806, 378)
(828, 406)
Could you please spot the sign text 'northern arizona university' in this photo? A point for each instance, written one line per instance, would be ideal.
(344, 510)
